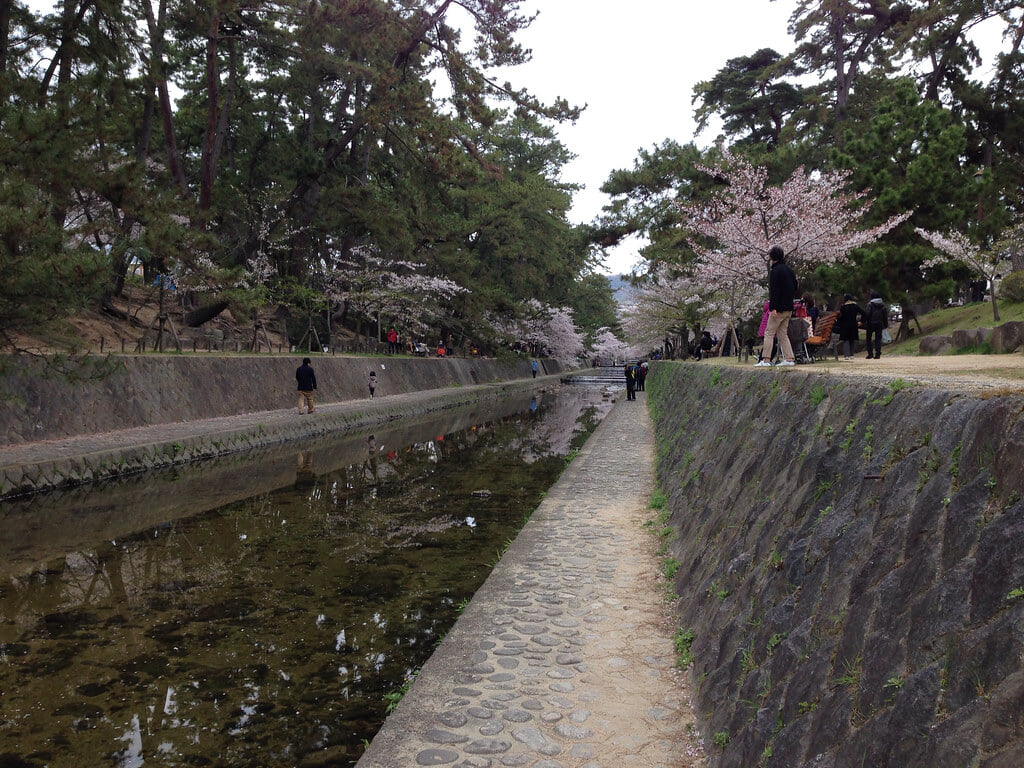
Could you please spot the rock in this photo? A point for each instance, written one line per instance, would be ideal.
(935, 345)
(963, 338)
(1007, 337)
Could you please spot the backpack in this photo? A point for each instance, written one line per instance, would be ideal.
(876, 314)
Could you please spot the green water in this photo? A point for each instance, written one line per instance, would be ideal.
(141, 626)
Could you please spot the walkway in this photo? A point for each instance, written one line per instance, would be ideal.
(564, 658)
(27, 467)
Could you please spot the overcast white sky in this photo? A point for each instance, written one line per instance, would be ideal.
(634, 65)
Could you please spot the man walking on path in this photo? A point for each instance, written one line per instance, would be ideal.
(306, 378)
(781, 294)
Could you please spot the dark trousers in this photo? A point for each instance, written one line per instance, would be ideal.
(877, 341)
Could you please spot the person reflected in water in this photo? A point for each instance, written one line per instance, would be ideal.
(371, 458)
(304, 477)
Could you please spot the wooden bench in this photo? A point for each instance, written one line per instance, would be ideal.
(822, 337)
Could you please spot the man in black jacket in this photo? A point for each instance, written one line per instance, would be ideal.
(781, 293)
(307, 383)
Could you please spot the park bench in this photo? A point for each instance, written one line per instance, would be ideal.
(822, 338)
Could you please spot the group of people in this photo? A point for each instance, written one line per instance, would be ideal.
(636, 377)
(874, 319)
(416, 347)
(783, 305)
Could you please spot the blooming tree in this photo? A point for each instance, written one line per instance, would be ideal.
(810, 215)
(607, 345)
(550, 330)
(669, 302)
(373, 286)
(955, 247)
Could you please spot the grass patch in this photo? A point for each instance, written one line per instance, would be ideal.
(818, 394)
(683, 641)
(393, 697)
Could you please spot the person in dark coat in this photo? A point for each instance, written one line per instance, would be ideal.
(630, 382)
(306, 378)
(812, 310)
(850, 315)
(782, 287)
(876, 319)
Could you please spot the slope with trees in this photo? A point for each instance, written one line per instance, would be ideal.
(266, 145)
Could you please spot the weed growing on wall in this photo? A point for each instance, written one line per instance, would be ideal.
(683, 641)
(818, 394)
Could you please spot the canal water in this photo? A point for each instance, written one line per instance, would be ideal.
(261, 610)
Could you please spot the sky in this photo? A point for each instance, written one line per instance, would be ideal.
(634, 64)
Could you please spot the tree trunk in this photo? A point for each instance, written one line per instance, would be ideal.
(206, 177)
(156, 45)
(5, 37)
(197, 317)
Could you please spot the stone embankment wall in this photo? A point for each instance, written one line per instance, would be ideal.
(851, 565)
(120, 392)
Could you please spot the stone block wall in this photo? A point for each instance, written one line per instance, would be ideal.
(850, 562)
(120, 392)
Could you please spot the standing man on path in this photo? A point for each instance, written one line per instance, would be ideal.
(533, 367)
(630, 382)
(781, 293)
(307, 384)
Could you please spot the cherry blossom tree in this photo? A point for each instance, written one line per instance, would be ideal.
(669, 303)
(373, 287)
(549, 330)
(607, 345)
(956, 247)
(810, 215)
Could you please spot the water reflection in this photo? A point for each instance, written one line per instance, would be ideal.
(264, 630)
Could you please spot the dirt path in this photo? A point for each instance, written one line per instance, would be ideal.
(992, 373)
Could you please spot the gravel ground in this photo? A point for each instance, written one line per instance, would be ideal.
(988, 374)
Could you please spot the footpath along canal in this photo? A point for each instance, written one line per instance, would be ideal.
(564, 658)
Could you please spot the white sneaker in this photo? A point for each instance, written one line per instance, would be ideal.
(784, 363)
(762, 364)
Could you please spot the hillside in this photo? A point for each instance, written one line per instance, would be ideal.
(942, 322)
(98, 331)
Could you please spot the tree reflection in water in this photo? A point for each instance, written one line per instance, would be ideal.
(267, 631)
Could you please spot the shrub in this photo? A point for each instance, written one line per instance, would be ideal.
(1012, 287)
